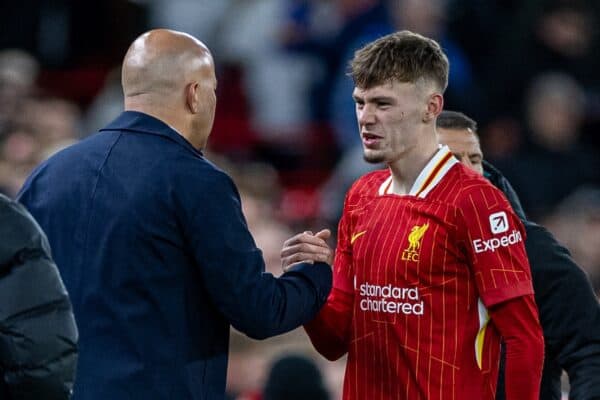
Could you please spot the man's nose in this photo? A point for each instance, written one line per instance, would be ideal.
(366, 115)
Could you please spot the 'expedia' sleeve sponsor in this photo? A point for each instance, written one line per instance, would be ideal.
(329, 331)
(494, 239)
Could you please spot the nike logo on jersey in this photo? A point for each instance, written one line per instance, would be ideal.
(356, 236)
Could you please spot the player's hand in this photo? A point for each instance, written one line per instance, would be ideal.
(306, 247)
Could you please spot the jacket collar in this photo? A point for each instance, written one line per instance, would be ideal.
(135, 121)
(497, 179)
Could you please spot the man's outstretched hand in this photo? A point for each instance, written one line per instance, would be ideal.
(306, 247)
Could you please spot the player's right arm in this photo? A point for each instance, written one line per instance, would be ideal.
(329, 332)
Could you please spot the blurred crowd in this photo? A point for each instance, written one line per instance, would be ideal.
(527, 71)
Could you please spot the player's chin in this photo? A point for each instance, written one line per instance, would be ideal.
(373, 156)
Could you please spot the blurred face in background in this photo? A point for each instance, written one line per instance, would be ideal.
(424, 16)
(555, 105)
(464, 144)
(576, 223)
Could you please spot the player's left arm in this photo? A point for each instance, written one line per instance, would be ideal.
(569, 312)
(499, 262)
(329, 331)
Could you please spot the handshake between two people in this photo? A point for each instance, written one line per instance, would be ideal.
(306, 247)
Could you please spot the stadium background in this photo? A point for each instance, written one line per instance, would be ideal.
(527, 71)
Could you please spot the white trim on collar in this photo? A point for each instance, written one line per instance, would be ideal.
(429, 177)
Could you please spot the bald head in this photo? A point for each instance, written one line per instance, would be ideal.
(170, 75)
(161, 61)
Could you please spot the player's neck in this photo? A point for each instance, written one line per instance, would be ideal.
(406, 170)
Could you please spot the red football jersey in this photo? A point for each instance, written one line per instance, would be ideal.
(416, 273)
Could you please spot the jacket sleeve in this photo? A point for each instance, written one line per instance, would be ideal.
(38, 335)
(233, 270)
(569, 312)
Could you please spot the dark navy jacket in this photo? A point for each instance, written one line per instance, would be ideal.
(152, 245)
(568, 309)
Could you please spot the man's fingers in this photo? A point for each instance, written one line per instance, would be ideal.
(305, 238)
(304, 252)
(296, 258)
(304, 248)
(324, 234)
(298, 238)
(300, 256)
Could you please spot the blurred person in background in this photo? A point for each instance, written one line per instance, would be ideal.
(19, 154)
(18, 72)
(38, 335)
(555, 111)
(530, 39)
(152, 243)
(569, 312)
(576, 222)
(543, 36)
(276, 82)
(294, 377)
(409, 249)
(53, 120)
(200, 18)
(40, 126)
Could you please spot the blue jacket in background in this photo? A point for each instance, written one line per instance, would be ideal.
(153, 248)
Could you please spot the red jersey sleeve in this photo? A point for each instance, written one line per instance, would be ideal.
(329, 332)
(517, 322)
(495, 245)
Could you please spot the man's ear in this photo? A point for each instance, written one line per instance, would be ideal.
(435, 105)
(192, 97)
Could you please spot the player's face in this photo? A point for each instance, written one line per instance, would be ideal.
(464, 144)
(388, 118)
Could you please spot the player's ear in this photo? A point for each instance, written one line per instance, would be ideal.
(435, 105)
(192, 100)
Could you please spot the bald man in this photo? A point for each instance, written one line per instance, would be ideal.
(569, 312)
(152, 244)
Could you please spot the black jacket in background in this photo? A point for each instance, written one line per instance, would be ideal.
(38, 335)
(568, 309)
